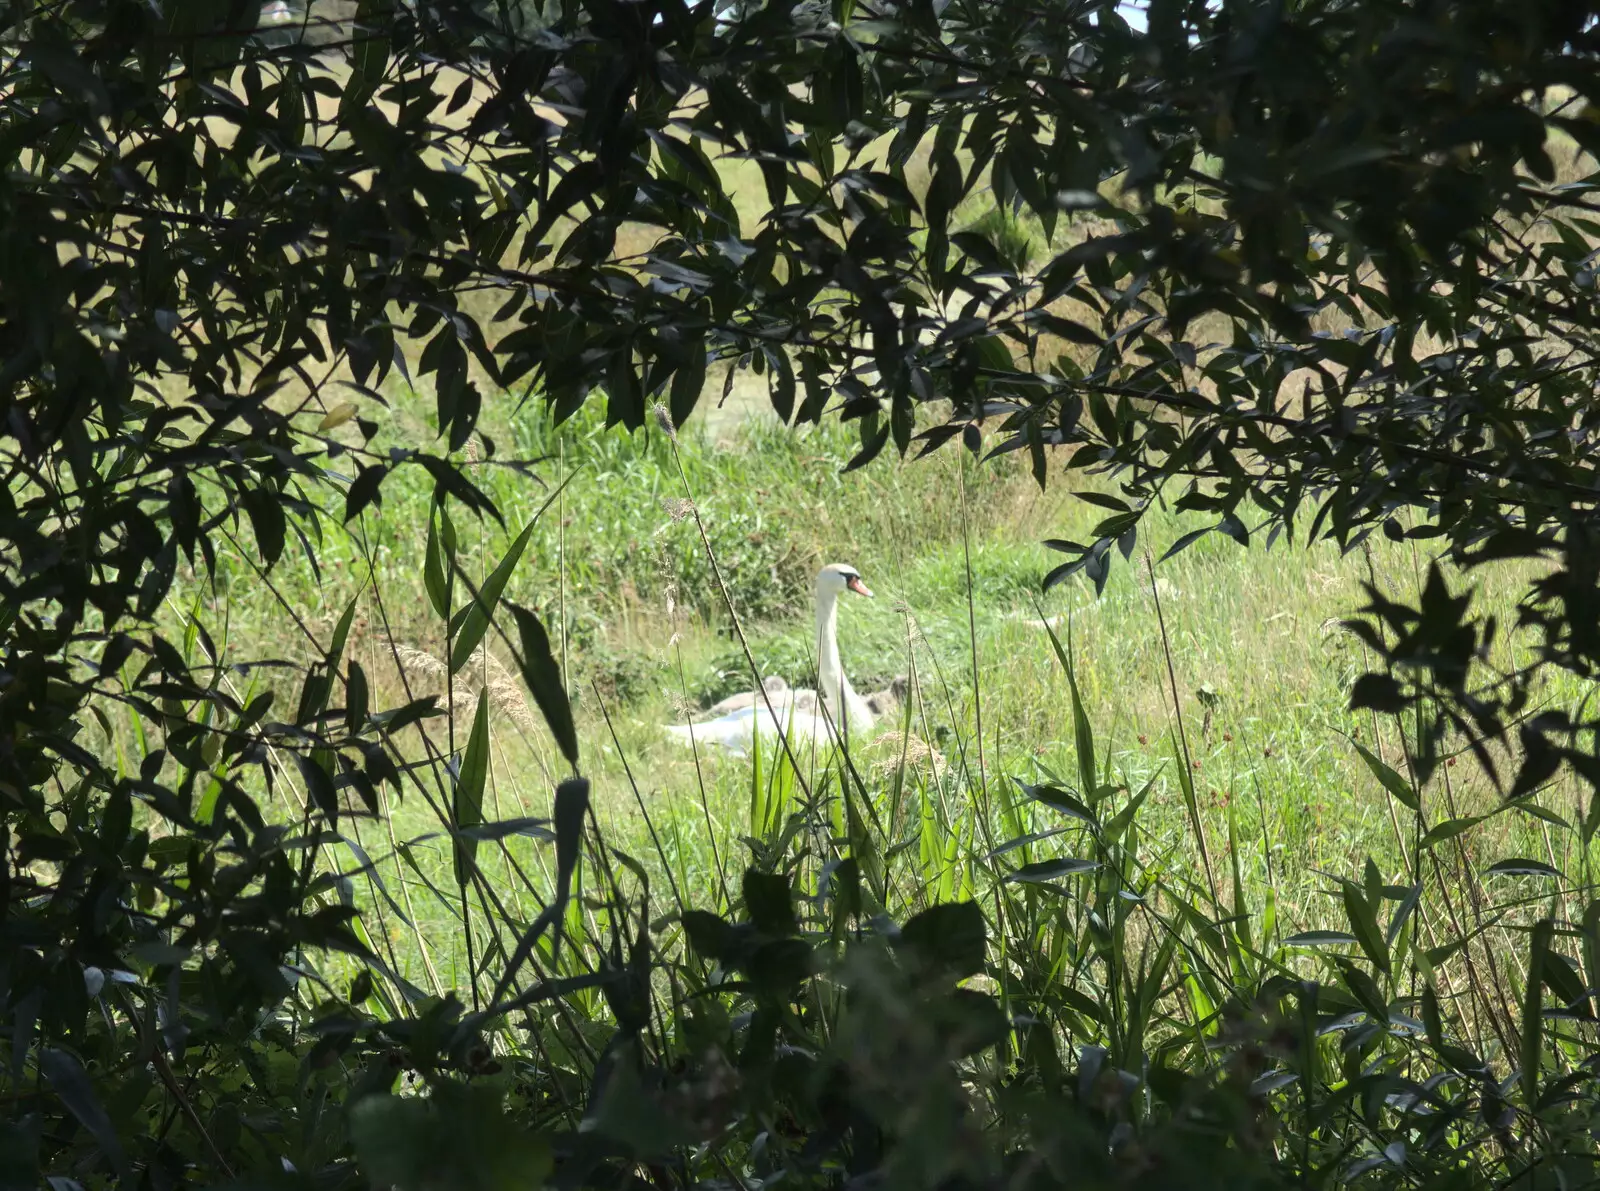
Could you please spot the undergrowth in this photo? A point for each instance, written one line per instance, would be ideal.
(1119, 896)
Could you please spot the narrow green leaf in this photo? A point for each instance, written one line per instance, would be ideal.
(267, 520)
(1082, 729)
(1451, 828)
(1435, 956)
(1432, 1022)
(1533, 1011)
(538, 829)
(1590, 945)
(1187, 540)
(1319, 938)
(1521, 867)
(1122, 819)
(1403, 911)
(436, 575)
(572, 806)
(341, 634)
(1591, 819)
(543, 676)
(1533, 809)
(319, 785)
(1364, 988)
(1388, 778)
(1059, 799)
(1364, 925)
(71, 1084)
(355, 700)
(1239, 940)
(687, 382)
(1049, 870)
(467, 802)
(476, 622)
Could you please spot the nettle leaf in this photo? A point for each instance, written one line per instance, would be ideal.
(767, 901)
(950, 939)
(1378, 692)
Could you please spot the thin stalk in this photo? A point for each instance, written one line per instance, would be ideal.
(972, 628)
(1183, 737)
(638, 797)
(700, 782)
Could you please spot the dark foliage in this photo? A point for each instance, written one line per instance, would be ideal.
(216, 247)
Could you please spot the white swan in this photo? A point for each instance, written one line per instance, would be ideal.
(796, 711)
(775, 686)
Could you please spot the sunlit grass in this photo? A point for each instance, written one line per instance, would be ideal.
(618, 572)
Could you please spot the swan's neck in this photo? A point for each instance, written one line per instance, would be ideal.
(831, 681)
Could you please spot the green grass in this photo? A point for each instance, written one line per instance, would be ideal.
(1261, 668)
(1223, 716)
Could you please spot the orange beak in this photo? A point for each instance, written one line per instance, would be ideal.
(854, 584)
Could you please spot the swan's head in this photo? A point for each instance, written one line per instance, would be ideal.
(840, 576)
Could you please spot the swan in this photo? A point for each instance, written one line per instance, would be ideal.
(795, 712)
(773, 684)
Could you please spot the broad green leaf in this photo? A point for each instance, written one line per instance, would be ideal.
(1364, 925)
(949, 938)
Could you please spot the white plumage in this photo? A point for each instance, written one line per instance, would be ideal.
(795, 712)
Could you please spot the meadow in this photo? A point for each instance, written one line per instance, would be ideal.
(359, 854)
(1241, 675)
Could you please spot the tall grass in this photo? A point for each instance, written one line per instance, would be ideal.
(1259, 663)
(1131, 920)
(1183, 889)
